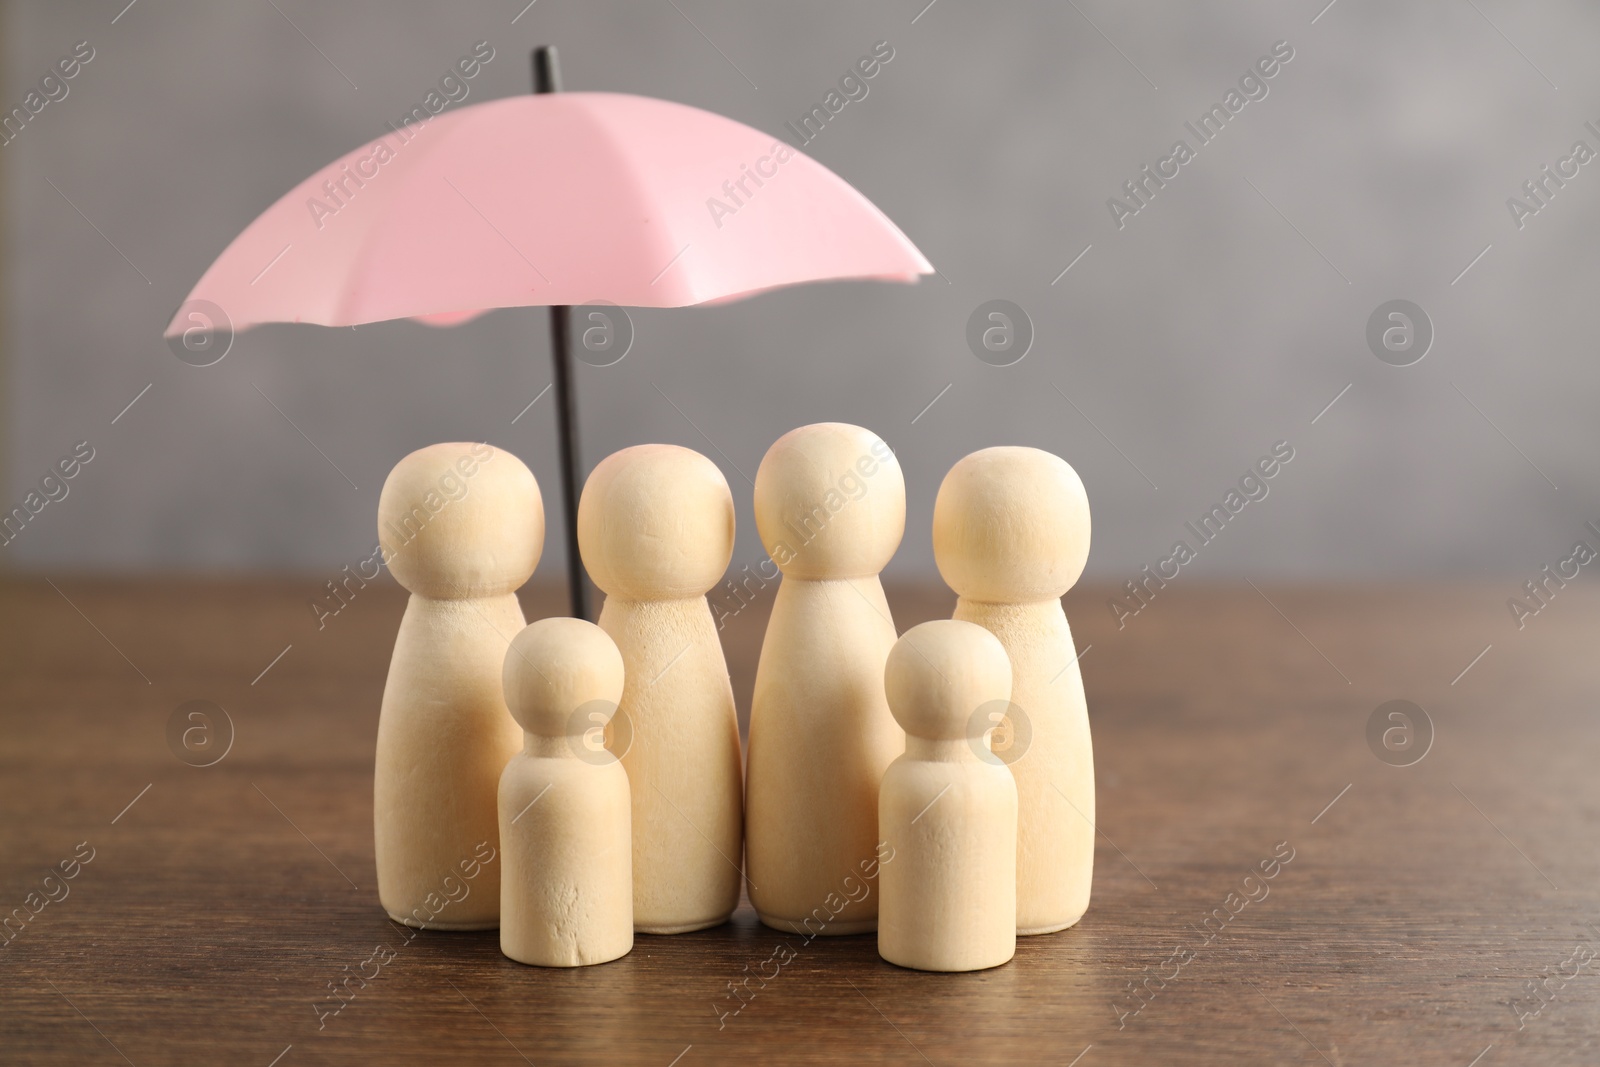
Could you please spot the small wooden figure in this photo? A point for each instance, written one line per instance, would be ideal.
(566, 896)
(830, 505)
(946, 807)
(655, 526)
(1011, 536)
(461, 526)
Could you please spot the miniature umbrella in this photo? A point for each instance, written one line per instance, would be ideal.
(554, 199)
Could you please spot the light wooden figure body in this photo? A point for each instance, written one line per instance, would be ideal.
(566, 896)
(655, 526)
(830, 506)
(1011, 536)
(948, 807)
(461, 527)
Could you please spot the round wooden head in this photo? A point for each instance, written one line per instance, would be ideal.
(940, 673)
(1011, 525)
(556, 666)
(655, 522)
(830, 502)
(461, 520)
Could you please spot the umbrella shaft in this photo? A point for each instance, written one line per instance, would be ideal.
(567, 427)
(547, 79)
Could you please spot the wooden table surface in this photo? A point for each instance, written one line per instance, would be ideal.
(1409, 926)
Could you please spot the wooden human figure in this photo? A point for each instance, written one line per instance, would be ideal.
(1011, 536)
(830, 506)
(461, 526)
(655, 526)
(948, 808)
(566, 896)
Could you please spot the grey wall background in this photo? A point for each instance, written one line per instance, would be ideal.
(1221, 319)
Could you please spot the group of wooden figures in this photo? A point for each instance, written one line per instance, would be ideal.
(951, 766)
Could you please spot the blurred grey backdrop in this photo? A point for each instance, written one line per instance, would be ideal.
(1178, 349)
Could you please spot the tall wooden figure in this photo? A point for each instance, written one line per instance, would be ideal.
(656, 529)
(1011, 536)
(566, 897)
(830, 505)
(461, 527)
(947, 807)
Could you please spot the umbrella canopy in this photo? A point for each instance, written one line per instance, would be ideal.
(556, 199)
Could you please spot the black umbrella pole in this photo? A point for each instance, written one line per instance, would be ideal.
(567, 425)
(546, 70)
(547, 79)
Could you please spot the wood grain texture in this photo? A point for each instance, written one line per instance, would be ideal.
(216, 909)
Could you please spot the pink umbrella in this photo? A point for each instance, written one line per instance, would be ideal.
(553, 199)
